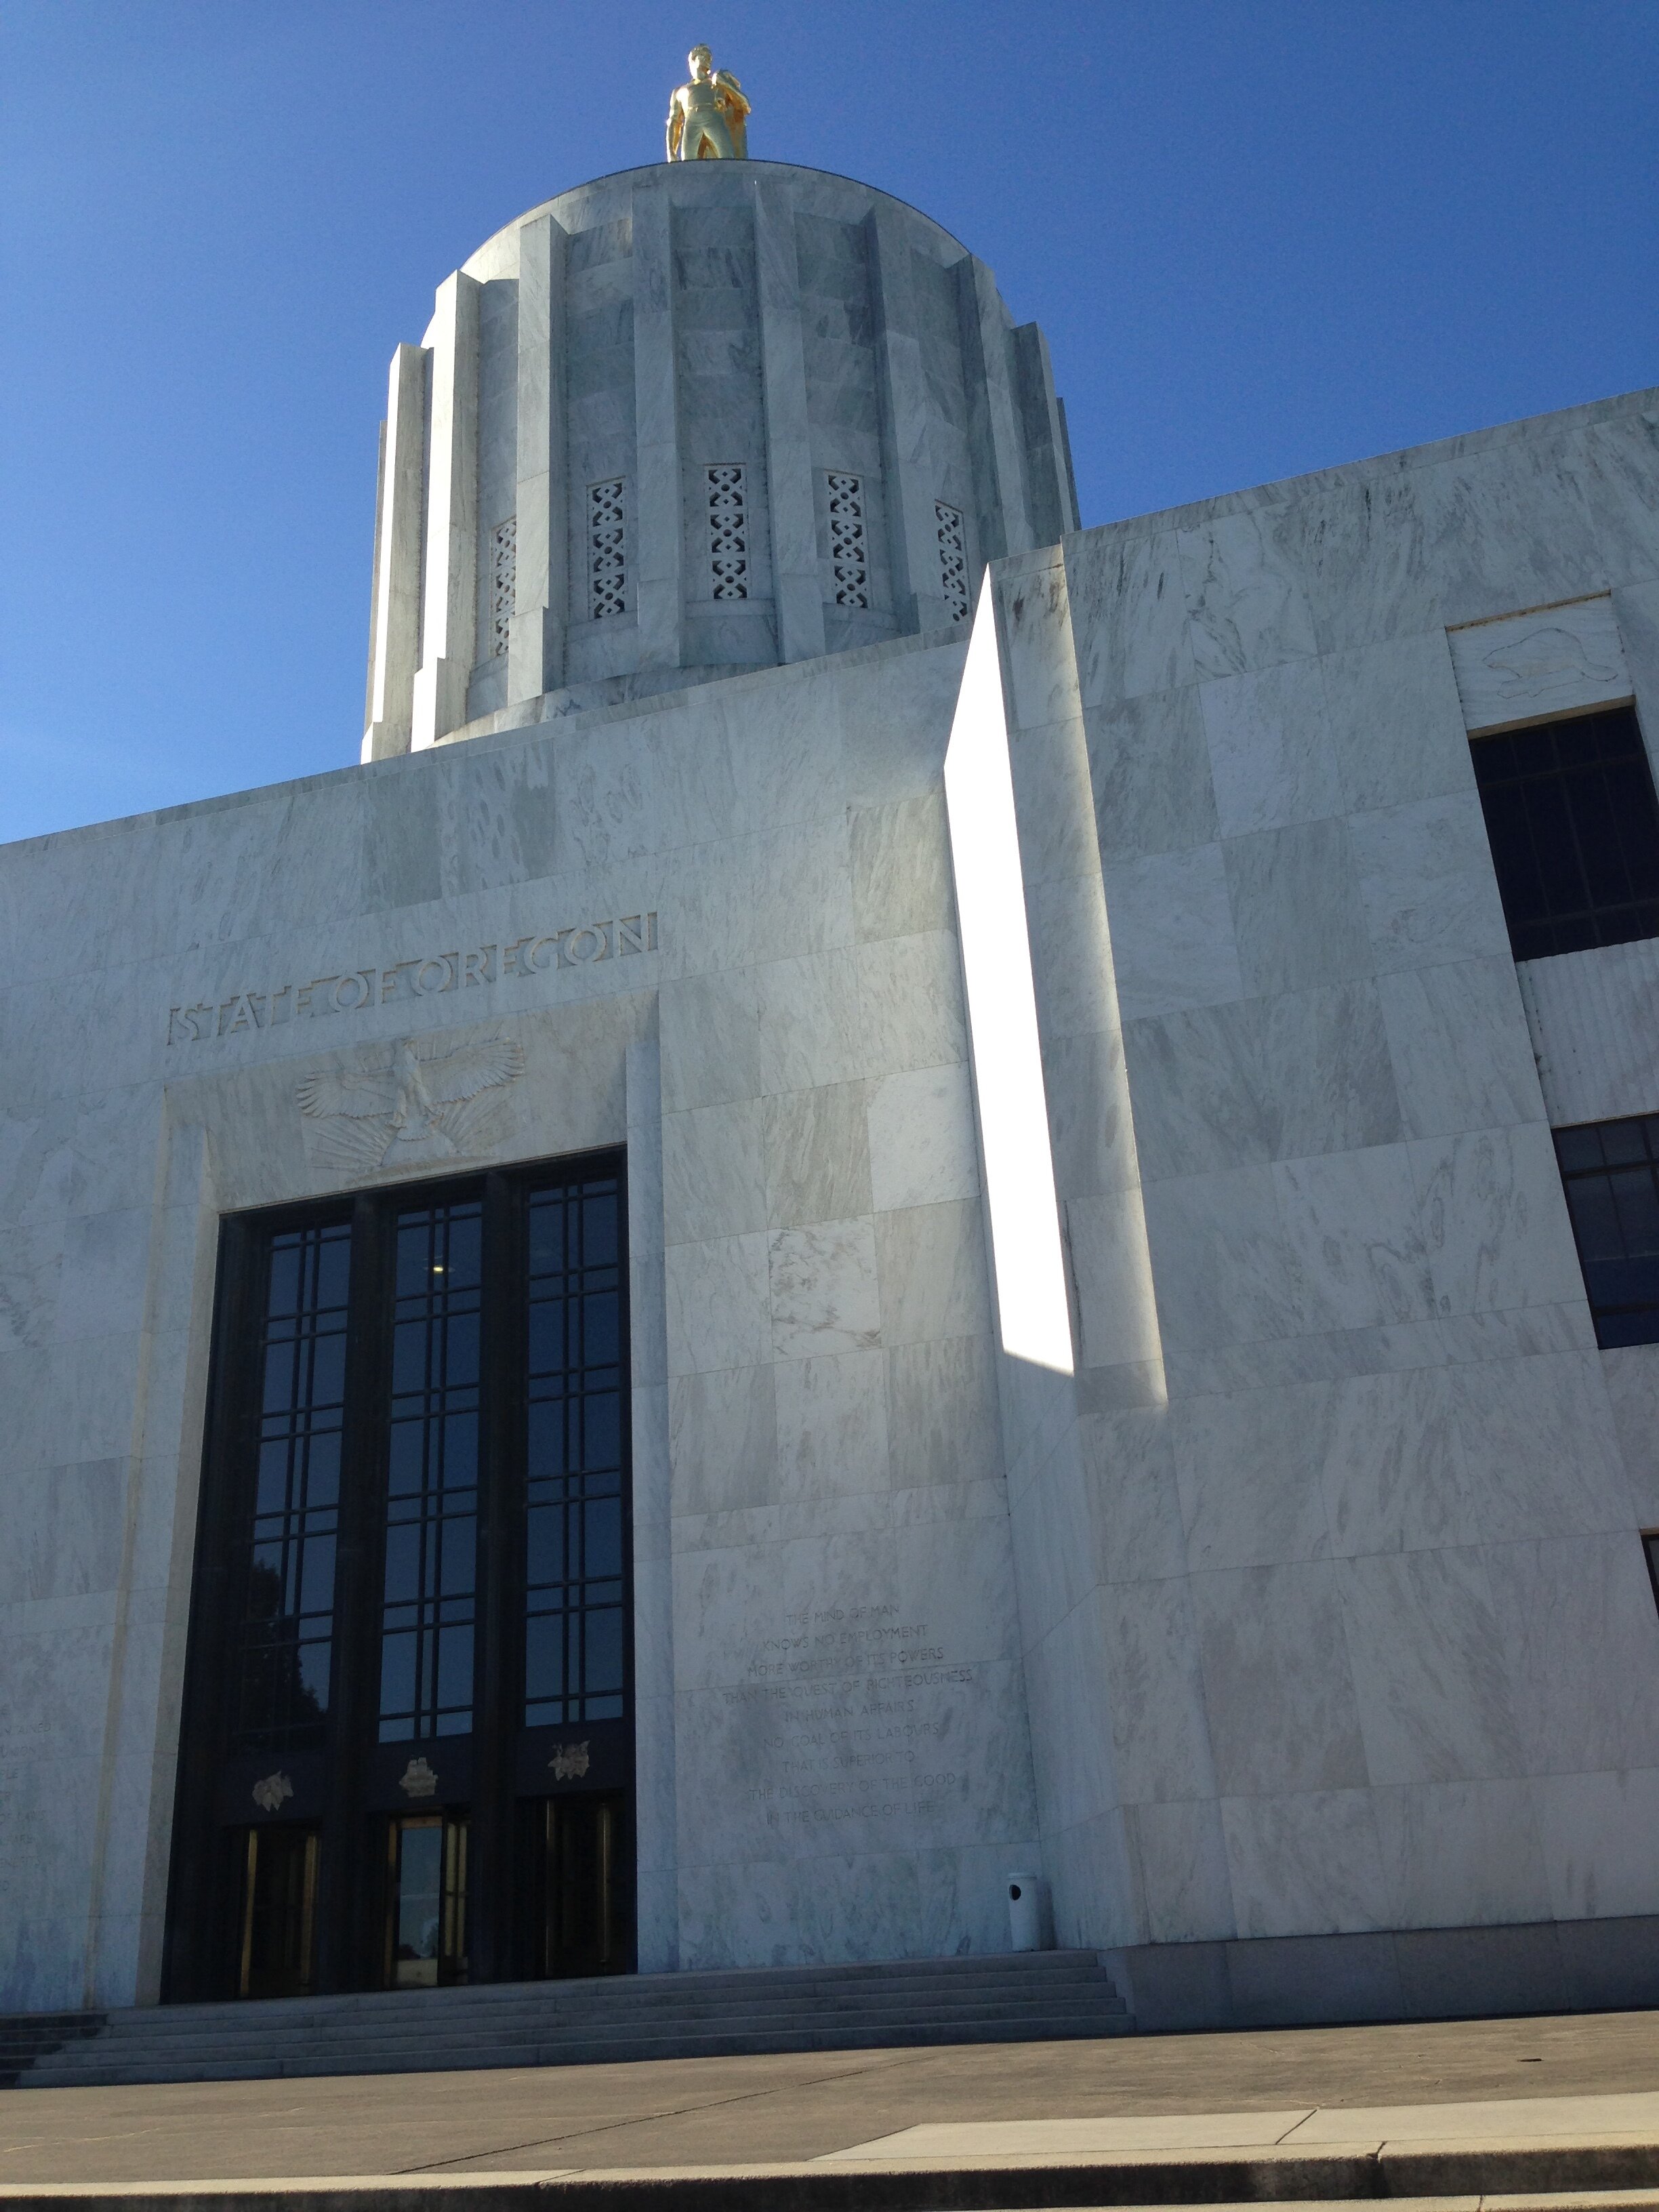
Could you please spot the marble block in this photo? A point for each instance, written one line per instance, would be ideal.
(1529, 667)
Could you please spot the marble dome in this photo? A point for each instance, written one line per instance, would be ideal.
(689, 420)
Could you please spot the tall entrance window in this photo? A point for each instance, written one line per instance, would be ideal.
(432, 1478)
(288, 1624)
(407, 1751)
(574, 1640)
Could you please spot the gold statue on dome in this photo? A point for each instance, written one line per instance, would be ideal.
(709, 117)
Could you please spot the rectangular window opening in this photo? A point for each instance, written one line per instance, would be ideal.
(1610, 1172)
(1574, 828)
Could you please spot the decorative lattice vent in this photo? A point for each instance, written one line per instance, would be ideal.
(728, 533)
(952, 560)
(607, 549)
(848, 556)
(503, 582)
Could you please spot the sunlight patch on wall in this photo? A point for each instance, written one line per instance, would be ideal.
(1027, 1257)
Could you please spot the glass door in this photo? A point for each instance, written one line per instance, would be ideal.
(426, 1908)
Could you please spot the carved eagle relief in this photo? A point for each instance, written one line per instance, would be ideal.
(427, 1104)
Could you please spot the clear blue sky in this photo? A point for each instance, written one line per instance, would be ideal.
(1263, 235)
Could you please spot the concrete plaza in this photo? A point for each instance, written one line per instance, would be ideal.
(1587, 2078)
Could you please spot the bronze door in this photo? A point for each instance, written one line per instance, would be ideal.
(279, 1912)
(579, 1844)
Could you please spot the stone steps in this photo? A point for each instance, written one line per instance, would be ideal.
(25, 2037)
(1026, 1998)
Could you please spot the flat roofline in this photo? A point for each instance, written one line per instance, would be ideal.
(1279, 492)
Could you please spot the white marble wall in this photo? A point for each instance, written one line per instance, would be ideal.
(851, 1753)
(1363, 1592)
(833, 1752)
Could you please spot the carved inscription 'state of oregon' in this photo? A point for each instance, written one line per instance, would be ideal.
(855, 1747)
(350, 990)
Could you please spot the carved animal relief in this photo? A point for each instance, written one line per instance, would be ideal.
(1525, 665)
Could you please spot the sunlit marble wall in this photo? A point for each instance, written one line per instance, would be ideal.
(1335, 1612)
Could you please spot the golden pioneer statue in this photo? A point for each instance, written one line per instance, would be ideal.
(709, 117)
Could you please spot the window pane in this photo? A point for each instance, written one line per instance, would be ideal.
(600, 1321)
(545, 1657)
(602, 1420)
(1550, 818)
(602, 1537)
(272, 1493)
(317, 1578)
(456, 1578)
(604, 1652)
(545, 1550)
(328, 1370)
(284, 1295)
(1626, 783)
(1574, 830)
(1623, 1142)
(403, 1562)
(1615, 1209)
(279, 1377)
(599, 1229)
(1634, 1197)
(547, 1452)
(411, 1342)
(461, 1349)
(455, 1672)
(461, 1451)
